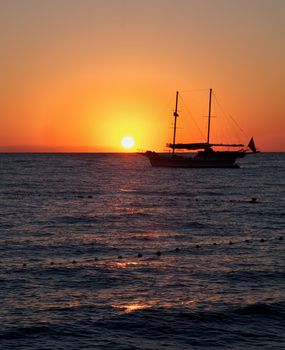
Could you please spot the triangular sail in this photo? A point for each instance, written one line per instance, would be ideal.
(251, 145)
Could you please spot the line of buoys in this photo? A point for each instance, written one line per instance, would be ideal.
(90, 196)
(252, 200)
(159, 253)
(48, 195)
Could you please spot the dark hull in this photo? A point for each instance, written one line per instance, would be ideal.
(216, 160)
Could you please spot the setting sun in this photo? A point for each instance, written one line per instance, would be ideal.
(128, 142)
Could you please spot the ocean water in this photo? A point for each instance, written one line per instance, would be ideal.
(102, 251)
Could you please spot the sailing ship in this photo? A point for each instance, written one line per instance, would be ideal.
(207, 154)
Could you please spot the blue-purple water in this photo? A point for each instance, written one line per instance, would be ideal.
(106, 252)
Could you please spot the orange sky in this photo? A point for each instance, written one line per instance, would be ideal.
(78, 75)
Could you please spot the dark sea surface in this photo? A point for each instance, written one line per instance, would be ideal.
(102, 251)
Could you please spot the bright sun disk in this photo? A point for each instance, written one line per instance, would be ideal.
(128, 142)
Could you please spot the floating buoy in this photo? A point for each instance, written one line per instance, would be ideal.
(120, 257)
(280, 238)
(73, 262)
(139, 255)
(262, 240)
(177, 249)
(158, 253)
(253, 200)
(197, 246)
(230, 242)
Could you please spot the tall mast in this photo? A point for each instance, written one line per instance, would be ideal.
(209, 116)
(175, 114)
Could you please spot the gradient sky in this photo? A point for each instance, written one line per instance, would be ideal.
(77, 75)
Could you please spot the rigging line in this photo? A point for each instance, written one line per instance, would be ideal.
(187, 109)
(224, 128)
(228, 115)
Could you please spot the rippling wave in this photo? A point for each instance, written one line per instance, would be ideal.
(104, 252)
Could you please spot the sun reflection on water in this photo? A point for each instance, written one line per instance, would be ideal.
(127, 308)
(125, 264)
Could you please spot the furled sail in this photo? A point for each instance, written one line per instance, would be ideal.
(203, 145)
(188, 146)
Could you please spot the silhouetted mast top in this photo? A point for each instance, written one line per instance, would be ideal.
(209, 116)
(175, 114)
